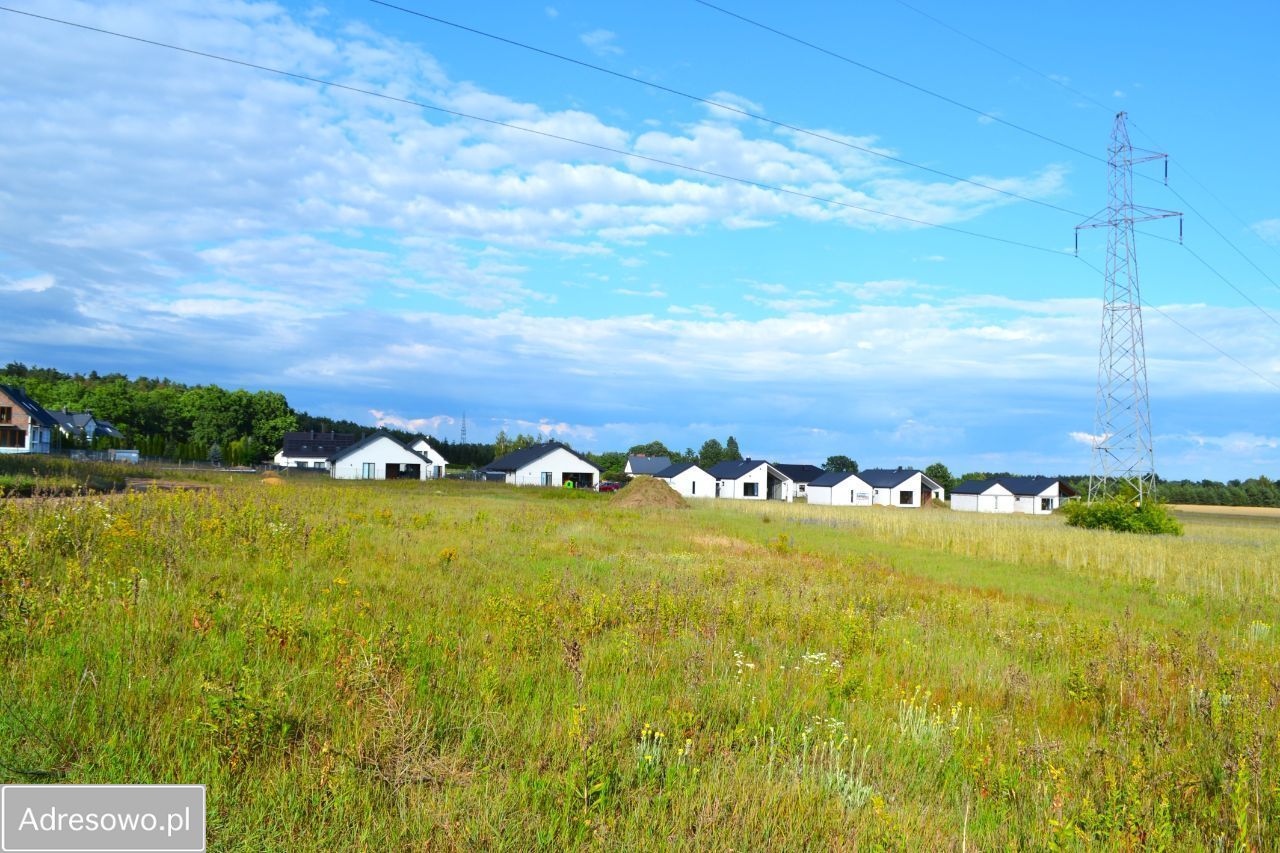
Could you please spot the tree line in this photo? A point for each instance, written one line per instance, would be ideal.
(164, 418)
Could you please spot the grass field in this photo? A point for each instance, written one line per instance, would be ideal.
(404, 666)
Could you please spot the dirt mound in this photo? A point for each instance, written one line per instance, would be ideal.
(646, 492)
(272, 480)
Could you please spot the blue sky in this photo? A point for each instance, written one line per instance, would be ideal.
(167, 214)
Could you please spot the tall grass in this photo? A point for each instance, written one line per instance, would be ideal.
(446, 665)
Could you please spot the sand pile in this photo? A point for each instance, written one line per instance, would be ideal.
(272, 480)
(644, 492)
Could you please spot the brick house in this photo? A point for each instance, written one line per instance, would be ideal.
(25, 426)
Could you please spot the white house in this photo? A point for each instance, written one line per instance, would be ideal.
(801, 476)
(638, 464)
(436, 463)
(752, 480)
(550, 464)
(901, 487)
(689, 480)
(83, 425)
(25, 425)
(840, 488)
(1030, 495)
(311, 449)
(378, 457)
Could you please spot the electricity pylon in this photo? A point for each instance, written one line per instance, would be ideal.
(1123, 456)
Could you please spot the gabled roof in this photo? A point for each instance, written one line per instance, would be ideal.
(34, 410)
(313, 445)
(1019, 486)
(801, 473)
(676, 470)
(974, 487)
(648, 464)
(109, 429)
(739, 468)
(426, 454)
(886, 478)
(833, 478)
(517, 459)
(365, 442)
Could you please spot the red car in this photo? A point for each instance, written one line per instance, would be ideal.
(610, 487)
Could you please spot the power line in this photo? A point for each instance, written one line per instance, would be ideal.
(1194, 334)
(544, 134)
(998, 52)
(1229, 284)
(1098, 103)
(621, 152)
(721, 105)
(886, 75)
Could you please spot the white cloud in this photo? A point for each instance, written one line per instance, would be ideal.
(1268, 229)
(420, 425)
(34, 284)
(601, 42)
(655, 293)
(1086, 438)
(740, 105)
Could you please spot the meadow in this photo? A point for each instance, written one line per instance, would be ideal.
(457, 665)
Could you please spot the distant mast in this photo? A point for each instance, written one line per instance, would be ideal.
(463, 440)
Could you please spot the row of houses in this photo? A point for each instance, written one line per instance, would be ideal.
(28, 427)
(381, 456)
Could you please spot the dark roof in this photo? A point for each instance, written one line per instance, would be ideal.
(801, 473)
(366, 441)
(675, 470)
(832, 478)
(34, 410)
(886, 478)
(517, 459)
(1021, 486)
(734, 470)
(651, 465)
(316, 444)
(109, 429)
(974, 487)
(71, 421)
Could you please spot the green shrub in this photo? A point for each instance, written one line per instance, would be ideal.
(1122, 515)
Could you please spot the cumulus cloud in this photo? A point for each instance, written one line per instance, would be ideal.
(1268, 229)
(420, 425)
(601, 42)
(34, 284)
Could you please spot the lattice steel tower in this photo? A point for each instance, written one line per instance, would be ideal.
(1123, 457)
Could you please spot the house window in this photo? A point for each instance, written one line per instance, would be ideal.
(906, 497)
(6, 414)
(693, 488)
(853, 496)
(1046, 504)
(368, 471)
(13, 438)
(546, 478)
(750, 490)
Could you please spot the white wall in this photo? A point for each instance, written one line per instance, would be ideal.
(693, 483)
(436, 468)
(736, 489)
(849, 492)
(558, 462)
(382, 452)
(999, 499)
